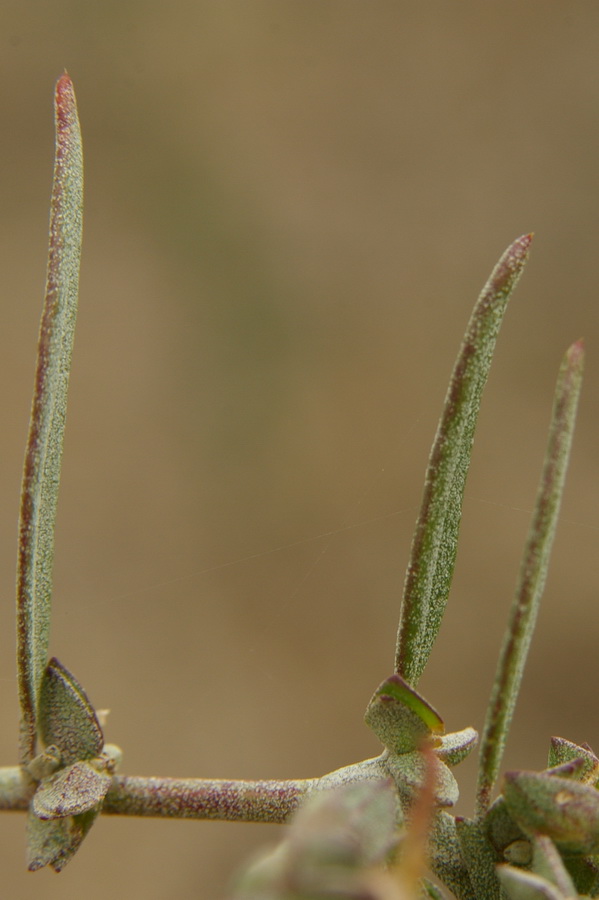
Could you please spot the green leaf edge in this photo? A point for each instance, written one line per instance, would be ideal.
(400, 690)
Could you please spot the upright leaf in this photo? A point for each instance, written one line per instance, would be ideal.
(66, 718)
(533, 572)
(41, 476)
(434, 546)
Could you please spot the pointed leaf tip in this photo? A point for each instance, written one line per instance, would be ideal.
(576, 350)
(512, 261)
(66, 105)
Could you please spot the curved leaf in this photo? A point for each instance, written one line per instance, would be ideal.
(400, 717)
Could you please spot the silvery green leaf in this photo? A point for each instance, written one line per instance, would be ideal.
(46, 841)
(562, 809)
(41, 475)
(533, 572)
(456, 746)
(400, 717)
(66, 717)
(70, 791)
(53, 842)
(434, 546)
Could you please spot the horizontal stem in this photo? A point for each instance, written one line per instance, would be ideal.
(197, 798)
(182, 798)
(200, 798)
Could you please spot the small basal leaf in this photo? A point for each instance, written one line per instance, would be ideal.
(43, 456)
(66, 717)
(434, 545)
(71, 791)
(456, 746)
(400, 717)
(45, 763)
(46, 841)
(54, 842)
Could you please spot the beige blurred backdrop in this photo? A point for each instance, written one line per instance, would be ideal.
(290, 209)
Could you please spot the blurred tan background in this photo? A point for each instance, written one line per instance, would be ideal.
(290, 209)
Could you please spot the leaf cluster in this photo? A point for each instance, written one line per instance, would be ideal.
(379, 829)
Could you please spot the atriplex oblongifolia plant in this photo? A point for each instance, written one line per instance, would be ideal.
(539, 838)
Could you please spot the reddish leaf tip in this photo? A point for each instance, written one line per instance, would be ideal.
(64, 83)
(513, 259)
(525, 240)
(574, 357)
(65, 99)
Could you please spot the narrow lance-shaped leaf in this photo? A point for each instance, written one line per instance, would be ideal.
(434, 546)
(41, 476)
(533, 572)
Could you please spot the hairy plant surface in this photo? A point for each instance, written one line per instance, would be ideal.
(381, 828)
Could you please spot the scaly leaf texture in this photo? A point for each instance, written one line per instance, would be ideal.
(533, 572)
(434, 546)
(66, 718)
(41, 476)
